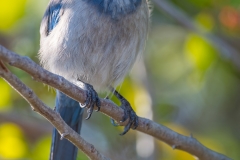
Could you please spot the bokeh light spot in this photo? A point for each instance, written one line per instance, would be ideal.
(12, 143)
(199, 52)
(42, 149)
(10, 12)
(206, 20)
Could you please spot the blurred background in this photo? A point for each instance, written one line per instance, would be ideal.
(187, 79)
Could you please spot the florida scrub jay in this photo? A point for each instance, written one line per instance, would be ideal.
(93, 44)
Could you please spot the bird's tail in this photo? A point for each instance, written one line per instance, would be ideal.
(71, 113)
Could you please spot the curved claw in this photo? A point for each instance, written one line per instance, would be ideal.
(133, 118)
(83, 105)
(91, 100)
(114, 123)
(128, 113)
(88, 100)
(89, 111)
(126, 129)
(98, 104)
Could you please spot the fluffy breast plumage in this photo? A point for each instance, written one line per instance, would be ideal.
(92, 45)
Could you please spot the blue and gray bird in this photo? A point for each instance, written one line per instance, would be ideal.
(93, 44)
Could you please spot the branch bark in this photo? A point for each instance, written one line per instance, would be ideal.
(52, 116)
(175, 140)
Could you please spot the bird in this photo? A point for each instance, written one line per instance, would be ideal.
(93, 44)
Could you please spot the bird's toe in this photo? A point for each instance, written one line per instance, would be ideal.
(91, 100)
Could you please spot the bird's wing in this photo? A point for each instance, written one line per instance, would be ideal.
(51, 16)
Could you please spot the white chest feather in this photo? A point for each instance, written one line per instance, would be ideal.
(93, 47)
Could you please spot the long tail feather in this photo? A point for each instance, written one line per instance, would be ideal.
(71, 113)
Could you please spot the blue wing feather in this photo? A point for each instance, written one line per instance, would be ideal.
(53, 15)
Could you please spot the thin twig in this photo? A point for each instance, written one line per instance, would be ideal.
(52, 116)
(177, 141)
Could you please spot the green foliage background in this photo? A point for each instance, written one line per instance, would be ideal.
(186, 84)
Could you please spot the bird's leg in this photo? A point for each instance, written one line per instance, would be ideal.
(91, 100)
(128, 113)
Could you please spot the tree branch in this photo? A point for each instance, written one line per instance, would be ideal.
(52, 116)
(177, 141)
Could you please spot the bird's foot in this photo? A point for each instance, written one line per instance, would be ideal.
(128, 113)
(91, 100)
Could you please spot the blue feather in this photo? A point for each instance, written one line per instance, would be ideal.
(53, 15)
(71, 113)
(112, 8)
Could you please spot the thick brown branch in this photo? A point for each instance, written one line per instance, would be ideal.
(52, 116)
(177, 141)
